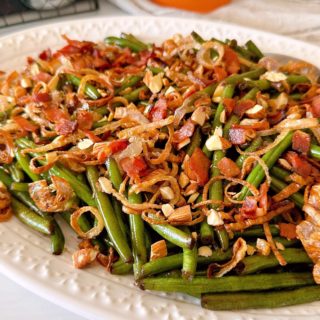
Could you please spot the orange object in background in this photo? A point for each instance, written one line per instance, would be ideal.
(202, 6)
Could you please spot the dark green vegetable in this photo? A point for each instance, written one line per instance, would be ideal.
(255, 144)
(24, 162)
(272, 299)
(189, 261)
(57, 239)
(237, 78)
(251, 46)
(20, 186)
(128, 83)
(126, 43)
(90, 90)
(195, 142)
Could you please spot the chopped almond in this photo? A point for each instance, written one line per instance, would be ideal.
(158, 250)
(274, 76)
(167, 193)
(279, 246)
(263, 247)
(183, 143)
(154, 83)
(167, 209)
(199, 116)
(191, 189)
(214, 218)
(256, 112)
(183, 180)
(84, 144)
(193, 197)
(83, 257)
(285, 164)
(217, 142)
(204, 251)
(250, 250)
(182, 214)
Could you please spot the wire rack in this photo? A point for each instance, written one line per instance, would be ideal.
(13, 12)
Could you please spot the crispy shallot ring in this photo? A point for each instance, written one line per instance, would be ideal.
(40, 169)
(5, 214)
(6, 155)
(287, 192)
(45, 200)
(241, 225)
(94, 231)
(204, 54)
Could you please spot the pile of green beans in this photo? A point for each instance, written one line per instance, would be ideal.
(257, 281)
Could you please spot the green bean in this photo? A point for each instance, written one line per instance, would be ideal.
(280, 173)
(90, 90)
(134, 39)
(315, 151)
(57, 239)
(251, 46)
(200, 285)
(189, 261)
(196, 37)
(296, 79)
(125, 43)
(257, 174)
(15, 172)
(20, 186)
(30, 218)
(121, 268)
(206, 233)
(271, 299)
(134, 95)
(261, 84)
(173, 234)
(277, 185)
(237, 78)
(209, 90)
(255, 263)
(102, 111)
(234, 119)
(24, 162)
(257, 232)
(255, 144)
(106, 210)
(175, 262)
(222, 236)
(127, 83)
(195, 142)
(137, 237)
(155, 70)
(296, 96)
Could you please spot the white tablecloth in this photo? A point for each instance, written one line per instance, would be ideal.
(299, 19)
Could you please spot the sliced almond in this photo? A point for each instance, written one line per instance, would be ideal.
(167, 209)
(183, 180)
(263, 247)
(84, 144)
(223, 116)
(218, 93)
(279, 246)
(167, 193)
(105, 185)
(154, 83)
(256, 112)
(193, 197)
(182, 214)
(158, 250)
(250, 250)
(83, 257)
(274, 76)
(183, 143)
(204, 251)
(285, 164)
(199, 116)
(248, 122)
(191, 189)
(214, 218)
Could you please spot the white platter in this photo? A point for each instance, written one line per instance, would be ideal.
(25, 256)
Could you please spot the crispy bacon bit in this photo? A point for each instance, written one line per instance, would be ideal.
(197, 168)
(45, 54)
(237, 136)
(135, 168)
(41, 97)
(220, 73)
(228, 167)
(186, 131)
(299, 165)
(159, 110)
(55, 114)
(301, 141)
(249, 208)
(25, 124)
(65, 127)
(288, 230)
(84, 119)
(315, 106)
(242, 106)
(108, 149)
(229, 104)
(231, 60)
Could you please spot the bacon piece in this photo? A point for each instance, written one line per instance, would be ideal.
(55, 114)
(242, 106)
(159, 110)
(229, 104)
(299, 165)
(197, 168)
(25, 124)
(186, 131)
(41, 97)
(134, 167)
(228, 167)
(315, 106)
(237, 135)
(65, 127)
(231, 60)
(45, 54)
(220, 73)
(301, 141)
(111, 148)
(84, 119)
(249, 208)
(288, 230)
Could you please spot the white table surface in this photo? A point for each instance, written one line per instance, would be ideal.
(18, 303)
